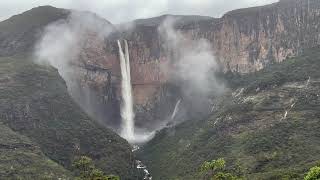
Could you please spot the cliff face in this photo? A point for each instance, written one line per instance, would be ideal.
(247, 40)
(243, 41)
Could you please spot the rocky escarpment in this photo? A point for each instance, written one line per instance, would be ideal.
(265, 127)
(250, 39)
(243, 41)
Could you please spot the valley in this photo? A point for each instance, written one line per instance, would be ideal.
(159, 98)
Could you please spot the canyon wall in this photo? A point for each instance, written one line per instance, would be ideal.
(243, 41)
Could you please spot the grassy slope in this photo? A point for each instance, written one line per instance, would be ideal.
(22, 159)
(34, 102)
(250, 128)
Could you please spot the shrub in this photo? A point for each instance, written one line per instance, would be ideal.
(313, 174)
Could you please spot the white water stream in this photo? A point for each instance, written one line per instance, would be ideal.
(176, 109)
(127, 113)
(128, 131)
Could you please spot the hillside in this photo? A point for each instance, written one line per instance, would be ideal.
(19, 33)
(268, 122)
(34, 103)
(36, 108)
(22, 159)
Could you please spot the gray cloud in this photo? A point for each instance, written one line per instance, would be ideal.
(118, 11)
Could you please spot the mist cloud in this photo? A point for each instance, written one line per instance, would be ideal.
(62, 40)
(192, 61)
(191, 67)
(61, 46)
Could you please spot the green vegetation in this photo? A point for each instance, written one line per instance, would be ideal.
(34, 103)
(215, 170)
(313, 174)
(86, 170)
(22, 159)
(250, 128)
(213, 167)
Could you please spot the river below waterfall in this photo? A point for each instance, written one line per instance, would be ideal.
(141, 167)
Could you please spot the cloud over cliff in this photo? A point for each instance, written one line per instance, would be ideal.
(192, 62)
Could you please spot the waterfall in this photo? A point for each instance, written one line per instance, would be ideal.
(127, 113)
(176, 109)
(308, 81)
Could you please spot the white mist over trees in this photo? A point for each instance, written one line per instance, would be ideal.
(60, 46)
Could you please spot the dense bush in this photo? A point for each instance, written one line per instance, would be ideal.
(86, 170)
(313, 174)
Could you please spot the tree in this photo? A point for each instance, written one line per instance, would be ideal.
(212, 166)
(215, 170)
(87, 171)
(85, 166)
(313, 174)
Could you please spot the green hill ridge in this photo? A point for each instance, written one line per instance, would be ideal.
(267, 122)
(34, 102)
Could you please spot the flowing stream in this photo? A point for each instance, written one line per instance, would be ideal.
(141, 166)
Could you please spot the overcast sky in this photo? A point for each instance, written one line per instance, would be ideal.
(118, 11)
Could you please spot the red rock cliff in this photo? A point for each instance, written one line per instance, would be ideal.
(243, 41)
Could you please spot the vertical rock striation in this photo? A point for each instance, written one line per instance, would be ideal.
(243, 41)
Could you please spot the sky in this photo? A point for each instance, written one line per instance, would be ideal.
(119, 11)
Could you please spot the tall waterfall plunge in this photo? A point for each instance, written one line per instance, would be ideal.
(128, 131)
(127, 113)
